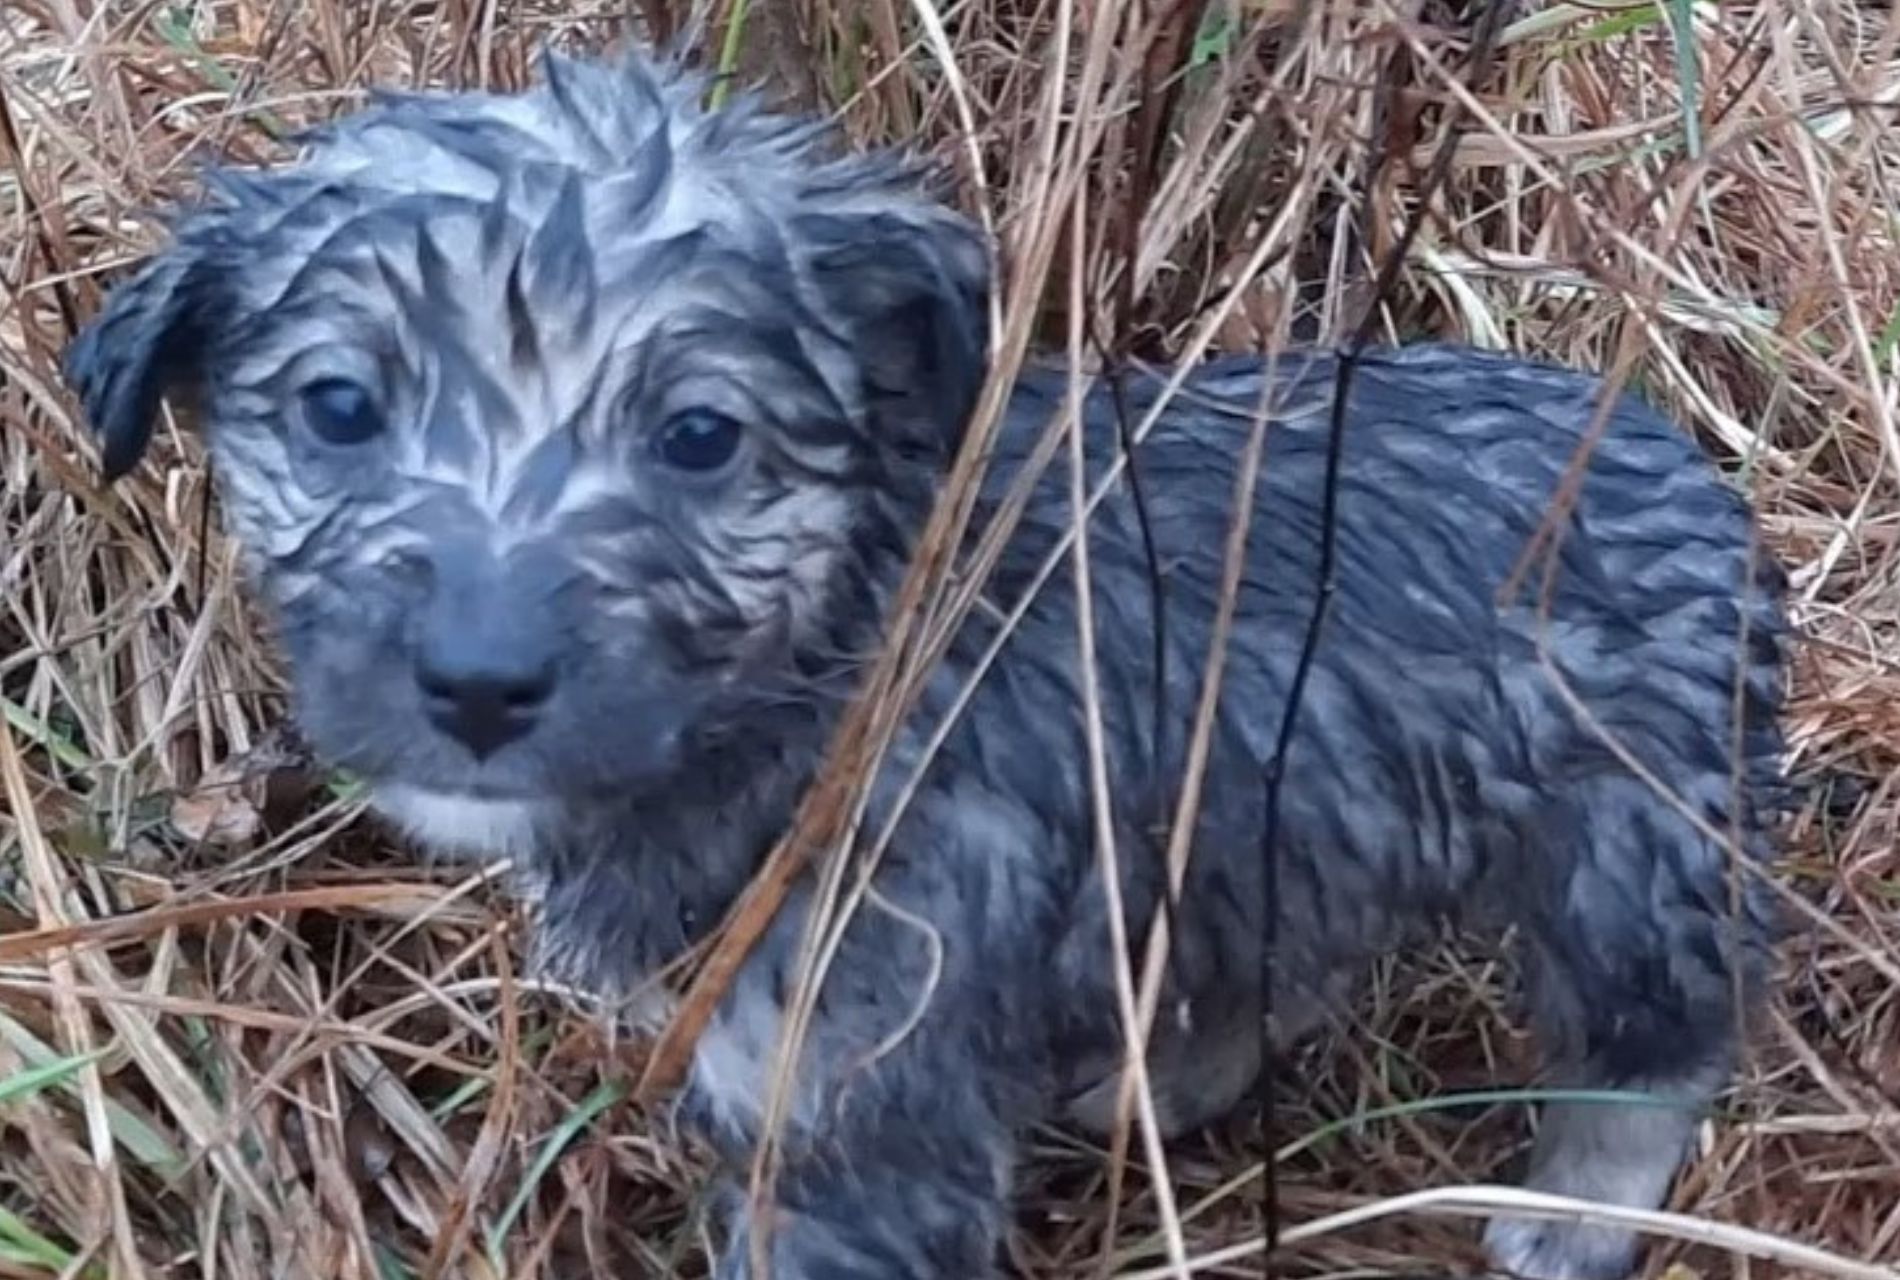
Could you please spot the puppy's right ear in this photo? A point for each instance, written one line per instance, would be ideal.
(910, 283)
(150, 337)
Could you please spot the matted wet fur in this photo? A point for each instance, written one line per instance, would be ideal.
(577, 441)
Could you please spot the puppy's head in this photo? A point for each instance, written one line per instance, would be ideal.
(561, 429)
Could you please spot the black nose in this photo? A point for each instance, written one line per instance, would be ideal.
(487, 640)
(484, 706)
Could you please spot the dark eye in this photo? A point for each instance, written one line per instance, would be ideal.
(340, 411)
(699, 440)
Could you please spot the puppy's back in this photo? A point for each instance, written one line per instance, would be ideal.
(1451, 644)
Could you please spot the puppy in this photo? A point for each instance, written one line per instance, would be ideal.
(577, 441)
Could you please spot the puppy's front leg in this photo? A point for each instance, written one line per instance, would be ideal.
(924, 1060)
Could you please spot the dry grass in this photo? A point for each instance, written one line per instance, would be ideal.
(288, 1051)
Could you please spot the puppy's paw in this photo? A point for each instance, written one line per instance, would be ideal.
(1534, 1250)
(1609, 1154)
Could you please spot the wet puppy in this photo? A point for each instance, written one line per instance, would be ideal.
(578, 439)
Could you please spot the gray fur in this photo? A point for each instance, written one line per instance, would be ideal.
(534, 284)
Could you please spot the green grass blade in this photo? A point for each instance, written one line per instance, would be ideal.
(729, 54)
(35, 1080)
(1635, 19)
(20, 1243)
(1482, 1097)
(61, 747)
(141, 1141)
(602, 1097)
(1688, 72)
(173, 28)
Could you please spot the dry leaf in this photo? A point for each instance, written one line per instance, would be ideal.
(225, 809)
(229, 804)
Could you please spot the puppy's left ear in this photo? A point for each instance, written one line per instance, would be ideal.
(149, 338)
(911, 288)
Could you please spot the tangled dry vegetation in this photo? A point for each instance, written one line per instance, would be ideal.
(280, 1048)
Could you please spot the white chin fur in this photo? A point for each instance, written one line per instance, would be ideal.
(459, 825)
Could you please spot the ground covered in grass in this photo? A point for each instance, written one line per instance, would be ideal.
(285, 1049)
